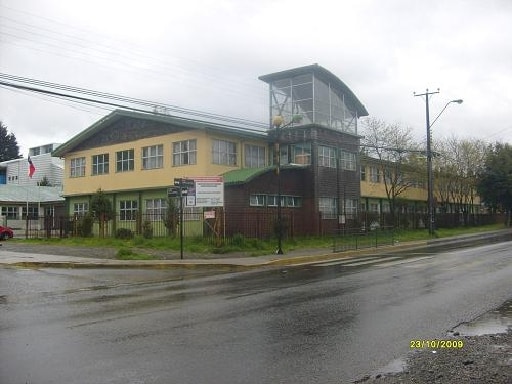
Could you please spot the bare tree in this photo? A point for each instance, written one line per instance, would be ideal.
(456, 170)
(397, 154)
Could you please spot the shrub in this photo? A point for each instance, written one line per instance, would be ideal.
(147, 230)
(85, 226)
(124, 234)
(238, 240)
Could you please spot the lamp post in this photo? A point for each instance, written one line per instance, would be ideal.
(277, 123)
(430, 181)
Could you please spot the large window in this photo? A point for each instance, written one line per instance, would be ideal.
(10, 212)
(153, 157)
(127, 210)
(100, 164)
(77, 167)
(347, 161)
(184, 152)
(326, 156)
(286, 201)
(350, 207)
(224, 152)
(124, 160)
(80, 209)
(155, 209)
(301, 153)
(327, 207)
(33, 212)
(257, 200)
(374, 175)
(254, 156)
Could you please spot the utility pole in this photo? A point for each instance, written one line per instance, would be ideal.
(430, 188)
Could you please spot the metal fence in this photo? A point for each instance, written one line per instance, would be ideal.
(222, 225)
(360, 238)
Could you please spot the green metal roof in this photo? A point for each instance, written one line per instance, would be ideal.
(244, 175)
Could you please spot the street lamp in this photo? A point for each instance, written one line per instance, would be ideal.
(277, 123)
(430, 181)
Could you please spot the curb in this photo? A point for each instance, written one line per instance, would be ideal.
(247, 264)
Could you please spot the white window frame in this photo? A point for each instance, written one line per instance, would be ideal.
(80, 209)
(184, 152)
(224, 152)
(326, 156)
(77, 167)
(153, 157)
(327, 207)
(100, 164)
(347, 160)
(125, 160)
(128, 210)
(254, 156)
(155, 209)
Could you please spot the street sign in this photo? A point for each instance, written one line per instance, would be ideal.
(184, 183)
(173, 192)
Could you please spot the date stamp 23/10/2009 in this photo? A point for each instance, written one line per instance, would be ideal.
(436, 344)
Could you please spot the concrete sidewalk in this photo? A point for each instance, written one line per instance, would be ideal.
(10, 256)
(34, 256)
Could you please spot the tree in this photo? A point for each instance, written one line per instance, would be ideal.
(494, 181)
(9, 148)
(102, 208)
(455, 170)
(45, 182)
(396, 151)
(171, 217)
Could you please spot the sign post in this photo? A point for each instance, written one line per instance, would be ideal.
(180, 189)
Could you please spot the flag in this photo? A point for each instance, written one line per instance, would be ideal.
(31, 168)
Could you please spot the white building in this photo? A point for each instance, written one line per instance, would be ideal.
(16, 171)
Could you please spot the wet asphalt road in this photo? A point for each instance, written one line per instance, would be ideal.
(328, 323)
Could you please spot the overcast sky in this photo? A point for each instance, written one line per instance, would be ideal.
(207, 55)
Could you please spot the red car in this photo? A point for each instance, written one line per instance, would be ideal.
(6, 233)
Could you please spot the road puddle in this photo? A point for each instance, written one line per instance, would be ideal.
(493, 322)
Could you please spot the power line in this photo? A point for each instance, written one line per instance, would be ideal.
(118, 101)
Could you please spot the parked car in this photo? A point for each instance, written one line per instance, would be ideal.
(6, 233)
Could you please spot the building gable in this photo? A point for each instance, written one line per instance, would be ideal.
(127, 129)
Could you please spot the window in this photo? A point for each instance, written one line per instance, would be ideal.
(347, 161)
(293, 201)
(254, 156)
(127, 210)
(374, 175)
(100, 164)
(80, 209)
(155, 209)
(286, 201)
(33, 212)
(10, 212)
(301, 153)
(184, 152)
(363, 173)
(257, 200)
(326, 156)
(327, 207)
(350, 207)
(224, 152)
(124, 160)
(153, 157)
(77, 167)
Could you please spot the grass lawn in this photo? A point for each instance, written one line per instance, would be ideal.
(138, 248)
